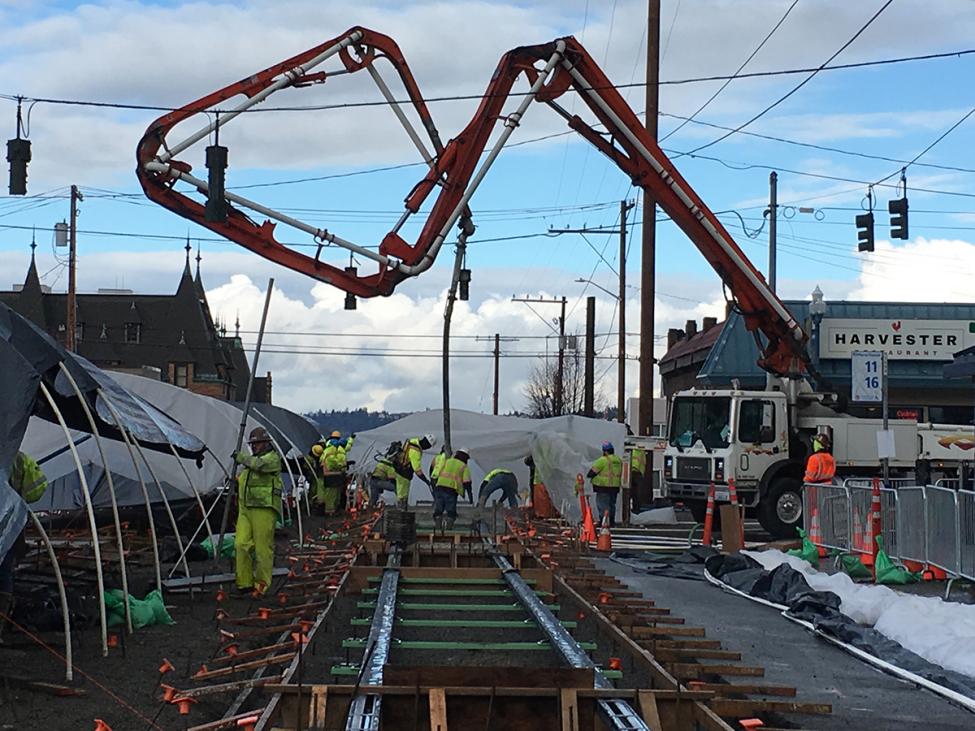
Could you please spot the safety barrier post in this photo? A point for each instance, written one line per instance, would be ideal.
(733, 497)
(708, 518)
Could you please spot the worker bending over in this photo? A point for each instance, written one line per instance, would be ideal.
(408, 461)
(499, 479)
(454, 480)
(258, 507)
(28, 481)
(382, 479)
(606, 474)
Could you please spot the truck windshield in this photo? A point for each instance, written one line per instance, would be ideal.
(701, 418)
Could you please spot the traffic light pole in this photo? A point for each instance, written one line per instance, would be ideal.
(72, 315)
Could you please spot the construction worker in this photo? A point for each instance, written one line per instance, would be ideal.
(258, 507)
(382, 479)
(499, 479)
(28, 480)
(606, 474)
(334, 464)
(437, 464)
(820, 467)
(638, 485)
(408, 462)
(454, 480)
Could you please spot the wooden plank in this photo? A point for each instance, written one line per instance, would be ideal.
(683, 642)
(676, 654)
(668, 631)
(648, 709)
(731, 708)
(569, 709)
(438, 709)
(317, 707)
(690, 670)
(726, 689)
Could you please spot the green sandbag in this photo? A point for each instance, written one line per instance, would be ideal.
(145, 612)
(808, 552)
(887, 572)
(854, 567)
(226, 548)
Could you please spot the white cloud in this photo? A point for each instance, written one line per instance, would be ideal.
(921, 270)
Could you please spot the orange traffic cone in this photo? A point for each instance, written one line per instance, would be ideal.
(857, 545)
(605, 541)
(708, 518)
(588, 528)
(815, 536)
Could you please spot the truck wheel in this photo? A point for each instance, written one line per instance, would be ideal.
(780, 509)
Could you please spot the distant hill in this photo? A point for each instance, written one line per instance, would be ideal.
(349, 422)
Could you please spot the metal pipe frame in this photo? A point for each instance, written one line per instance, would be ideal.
(365, 709)
(111, 493)
(68, 665)
(196, 493)
(145, 490)
(616, 713)
(91, 515)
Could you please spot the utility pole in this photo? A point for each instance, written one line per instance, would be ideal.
(497, 370)
(560, 373)
(621, 355)
(590, 379)
(648, 254)
(773, 205)
(72, 317)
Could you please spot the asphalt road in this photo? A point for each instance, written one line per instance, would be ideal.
(862, 697)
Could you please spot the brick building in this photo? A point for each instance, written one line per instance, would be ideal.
(169, 336)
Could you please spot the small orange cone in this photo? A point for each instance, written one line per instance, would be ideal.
(708, 518)
(857, 544)
(588, 529)
(605, 541)
(815, 536)
(100, 725)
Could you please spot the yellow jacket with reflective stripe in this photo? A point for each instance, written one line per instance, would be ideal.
(496, 472)
(438, 463)
(333, 458)
(609, 471)
(454, 475)
(384, 471)
(27, 478)
(638, 460)
(259, 485)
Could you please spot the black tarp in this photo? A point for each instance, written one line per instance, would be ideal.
(295, 429)
(687, 565)
(786, 587)
(17, 388)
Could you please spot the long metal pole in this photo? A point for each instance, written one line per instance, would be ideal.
(243, 418)
(497, 370)
(72, 315)
(886, 460)
(560, 375)
(590, 377)
(448, 313)
(621, 350)
(648, 254)
(773, 207)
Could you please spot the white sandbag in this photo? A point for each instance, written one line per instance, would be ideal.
(657, 516)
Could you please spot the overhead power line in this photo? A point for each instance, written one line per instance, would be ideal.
(477, 97)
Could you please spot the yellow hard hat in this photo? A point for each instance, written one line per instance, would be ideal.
(336, 434)
(317, 450)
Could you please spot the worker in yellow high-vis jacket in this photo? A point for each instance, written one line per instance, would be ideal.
(606, 474)
(454, 480)
(258, 506)
(28, 480)
(408, 461)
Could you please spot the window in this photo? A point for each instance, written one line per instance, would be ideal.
(133, 332)
(181, 374)
(756, 422)
(700, 418)
(659, 431)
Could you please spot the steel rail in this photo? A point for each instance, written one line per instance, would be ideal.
(616, 713)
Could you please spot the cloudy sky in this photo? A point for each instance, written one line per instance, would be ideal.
(840, 131)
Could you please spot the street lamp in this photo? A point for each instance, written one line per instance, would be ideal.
(817, 309)
(598, 286)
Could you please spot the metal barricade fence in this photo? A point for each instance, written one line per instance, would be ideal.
(942, 524)
(911, 525)
(829, 506)
(966, 510)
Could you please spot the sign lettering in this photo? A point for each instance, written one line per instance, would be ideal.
(899, 339)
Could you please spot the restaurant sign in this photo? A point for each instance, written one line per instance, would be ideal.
(899, 339)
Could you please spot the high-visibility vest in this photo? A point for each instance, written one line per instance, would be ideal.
(499, 471)
(454, 475)
(820, 468)
(259, 485)
(638, 460)
(609, 472)
(27, 478)
(384, 471)
(438, 463)
(333, 458)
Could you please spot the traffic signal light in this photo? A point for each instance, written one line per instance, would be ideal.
(865, 231)
(18, 155)
(216, 210)
(898, 218)
(465, 283)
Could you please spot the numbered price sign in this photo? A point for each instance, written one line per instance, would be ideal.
(868, 376)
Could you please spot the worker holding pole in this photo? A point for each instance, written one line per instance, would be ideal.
(258, 506)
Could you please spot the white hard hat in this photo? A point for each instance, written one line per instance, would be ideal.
(465, 450)
(430, 439)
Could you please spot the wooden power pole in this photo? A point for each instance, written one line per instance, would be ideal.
(497, 370)
(72, 316)
(648, 259)
(621, 354)
(589, 389)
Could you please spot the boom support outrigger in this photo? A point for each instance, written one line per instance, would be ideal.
(552, 70)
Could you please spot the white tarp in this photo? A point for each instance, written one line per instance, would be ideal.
(941, 632)
(562, 447)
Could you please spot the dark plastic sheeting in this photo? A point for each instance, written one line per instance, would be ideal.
(17, 388)
(688, 565)
(787, 587)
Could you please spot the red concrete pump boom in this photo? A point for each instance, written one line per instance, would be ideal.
(457, 169)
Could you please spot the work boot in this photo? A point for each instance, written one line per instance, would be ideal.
(450, 523)
(402, 504)
(438, 524)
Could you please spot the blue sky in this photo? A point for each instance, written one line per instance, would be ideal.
(169, 53)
